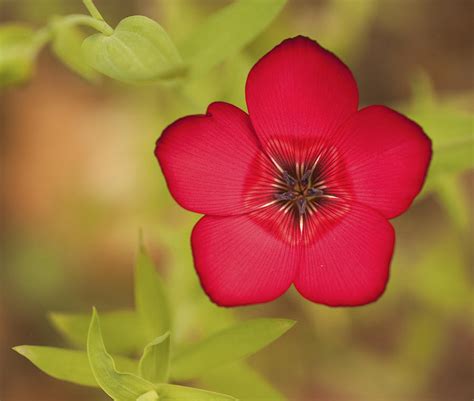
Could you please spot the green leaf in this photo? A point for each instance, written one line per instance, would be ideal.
(154, 363)
(74, 328)
(150, 298)
(119, 386)
(128, 387)
(17, 54)
(66, 45)
(138, 50)
(68, 365)
(227, 346)
(242, 382)
(227, 31)
(171, 392)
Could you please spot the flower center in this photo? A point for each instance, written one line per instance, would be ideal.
(300, 192)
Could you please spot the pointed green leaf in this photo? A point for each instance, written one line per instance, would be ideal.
(150, 298)
(119, 386)
(66, 364)
(74, 328)
(17, 54)
(154, 363)
(171, 392)
(227, 31)
(227, 346)
(138, 50)
(66, 45)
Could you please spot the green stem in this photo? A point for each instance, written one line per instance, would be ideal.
(78, 19)
(93, 10)
(42, 36)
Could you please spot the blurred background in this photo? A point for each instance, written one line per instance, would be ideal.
(79, 179)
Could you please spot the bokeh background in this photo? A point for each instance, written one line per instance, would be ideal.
(79, 179)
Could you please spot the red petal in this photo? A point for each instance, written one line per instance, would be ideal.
(299, 90)
(206, 160)
(239, 262)
(349, 264)
(387, 157)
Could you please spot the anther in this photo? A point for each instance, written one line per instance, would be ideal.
(315, 192)
(305, 178)
(285, 196)
(288, 179)
(301, 203)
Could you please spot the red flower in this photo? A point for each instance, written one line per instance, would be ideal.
(298, 190)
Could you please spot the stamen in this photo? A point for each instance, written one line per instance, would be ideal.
(301, 203)
(288, 178)
(305, 178)
(315, 192)
(285, 196)
(299, 191)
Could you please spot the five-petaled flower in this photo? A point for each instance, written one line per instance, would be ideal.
(299, 190)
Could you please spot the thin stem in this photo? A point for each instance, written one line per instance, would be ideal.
(42, 36)
(79, 19)
(93, 10)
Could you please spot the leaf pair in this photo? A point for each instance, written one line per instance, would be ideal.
(140, 50)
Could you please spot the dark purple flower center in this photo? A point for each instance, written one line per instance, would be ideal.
(299, 192)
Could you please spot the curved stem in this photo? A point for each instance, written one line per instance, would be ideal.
(78, 19)
(42, 36)
(93, 10)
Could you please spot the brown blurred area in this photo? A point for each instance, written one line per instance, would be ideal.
(79, 180)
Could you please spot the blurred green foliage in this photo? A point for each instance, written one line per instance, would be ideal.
(17, 54)
(149, 377)
(66, 44)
